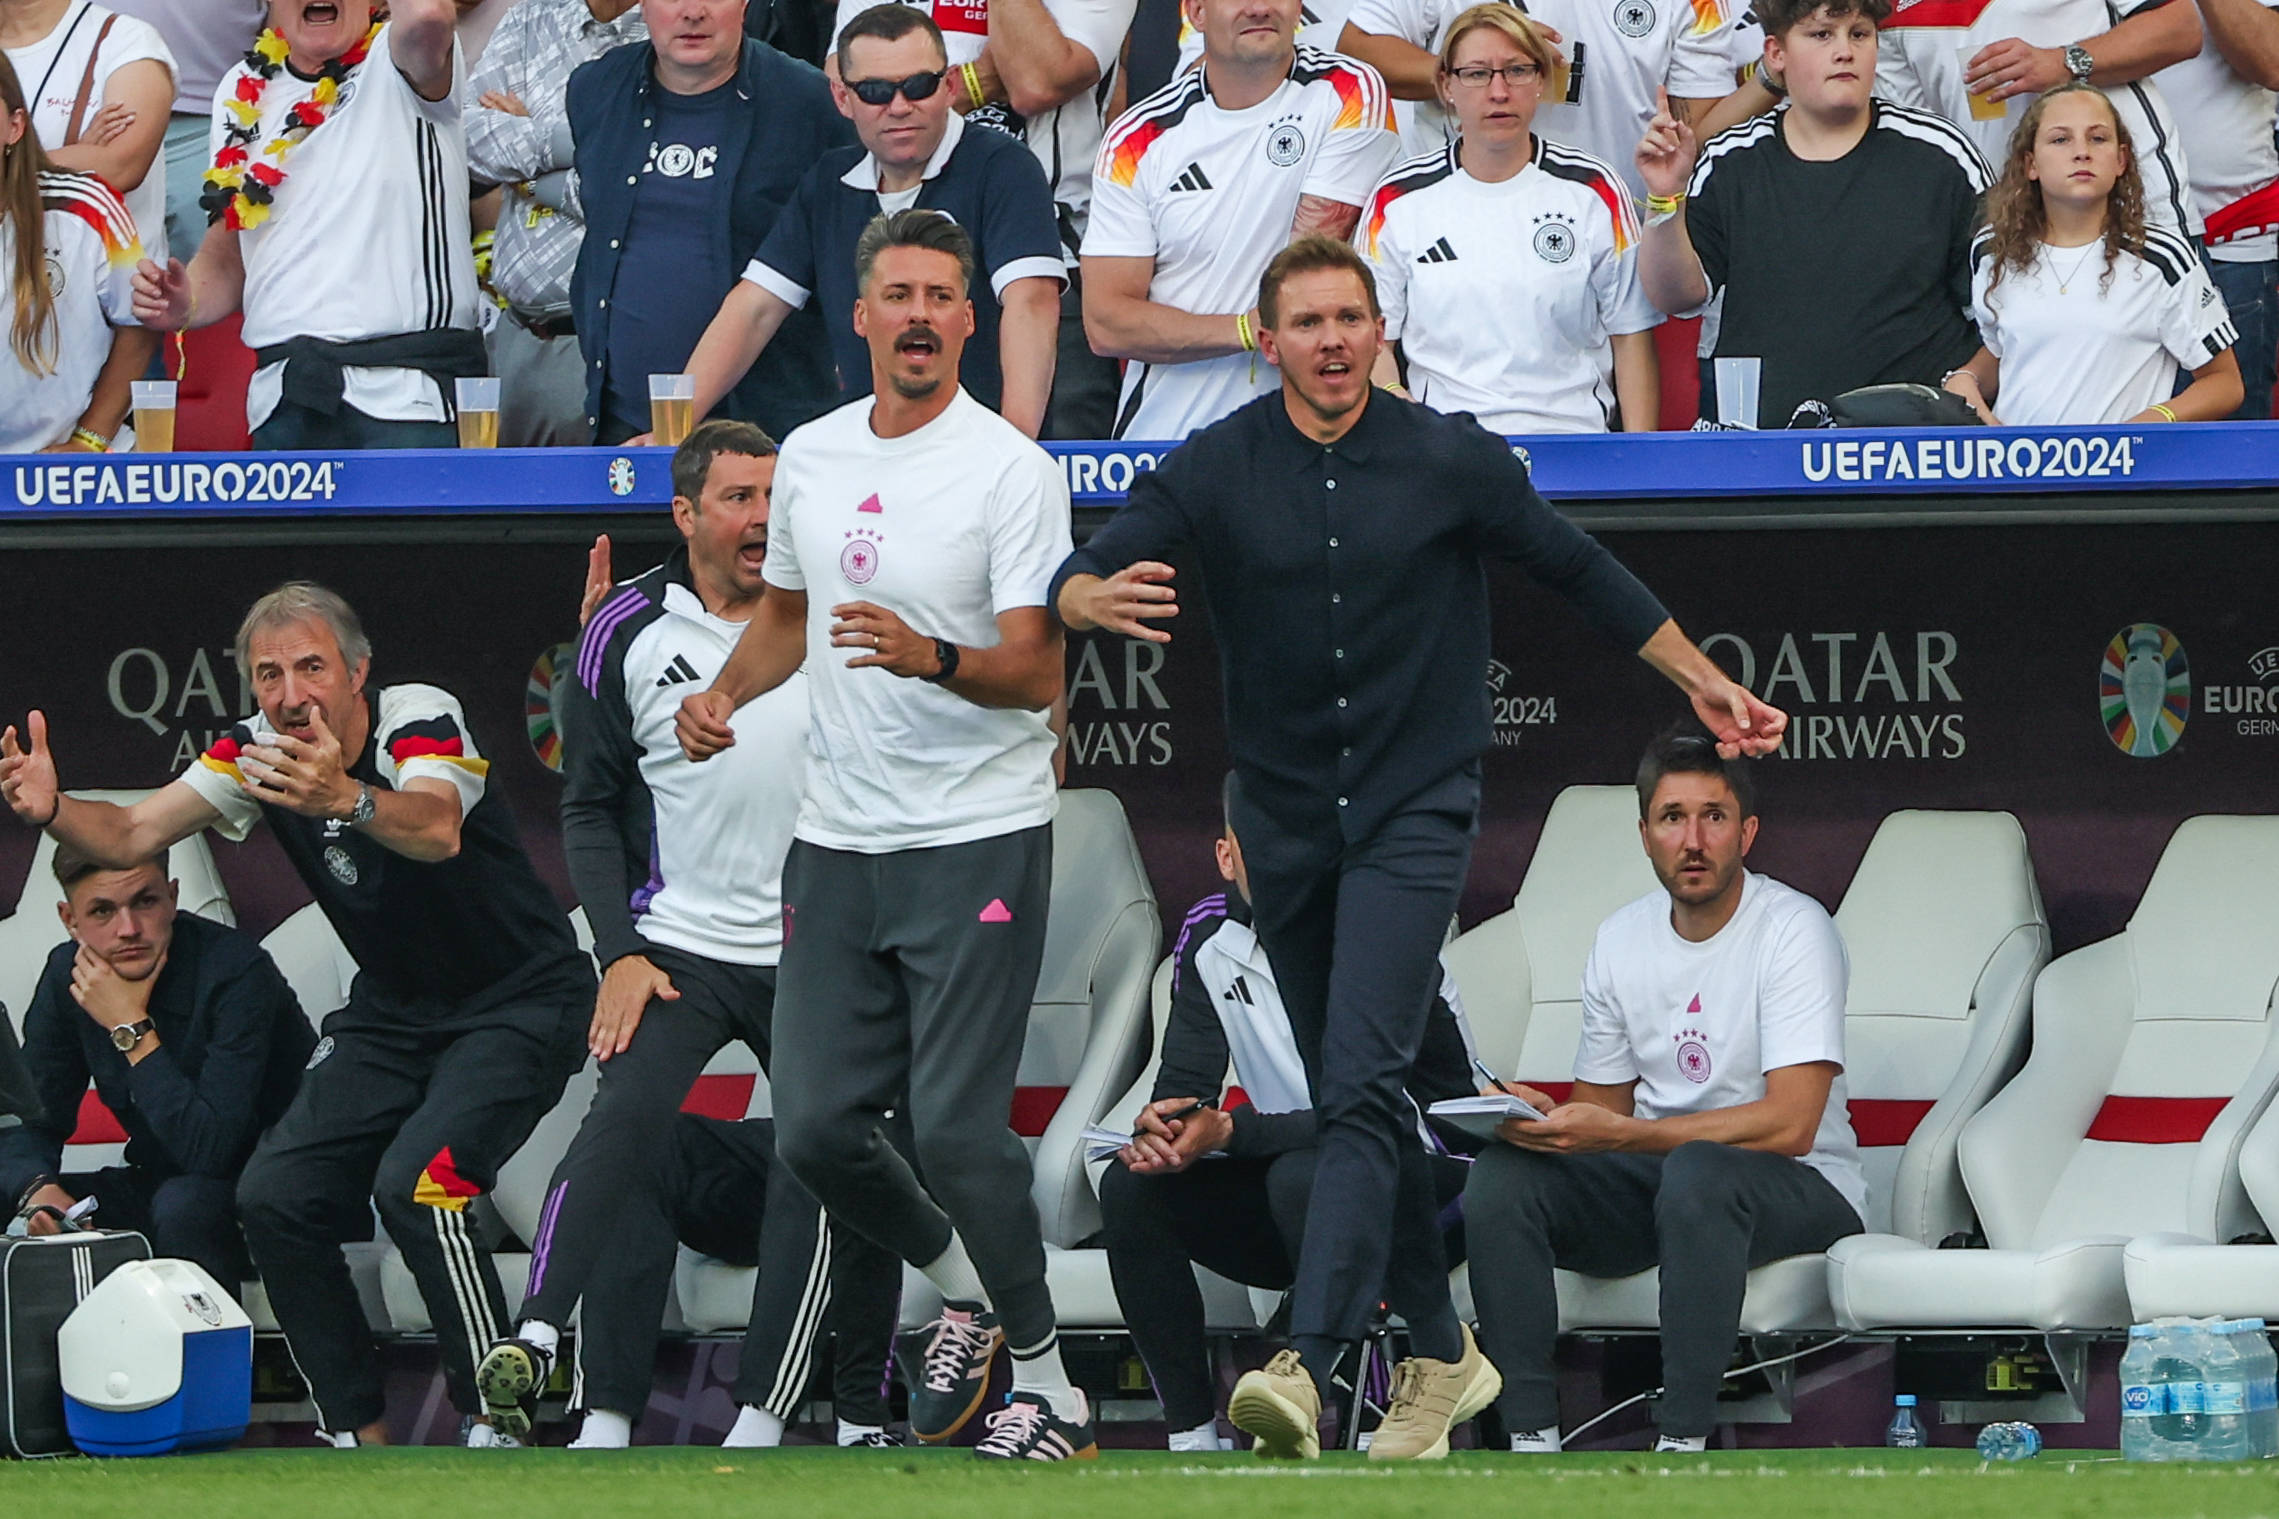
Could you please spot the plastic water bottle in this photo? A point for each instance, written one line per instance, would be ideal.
(1904, 1432)
(2011, 1440)
(2224, 1392)
(2181, 1386)
(2261, 1366)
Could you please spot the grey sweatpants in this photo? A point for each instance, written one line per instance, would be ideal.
(1705, 1213)
(907, 979)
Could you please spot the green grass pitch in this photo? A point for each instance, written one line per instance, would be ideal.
(830, 1484)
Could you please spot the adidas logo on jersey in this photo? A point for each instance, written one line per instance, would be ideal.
(1240, 992)
(678, 671)
(1193, 179)
(1441, 252)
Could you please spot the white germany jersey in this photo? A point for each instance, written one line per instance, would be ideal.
(718, 831)
(53, 67)
(91, 258)
(1919, 63)
(1620, 52)
(946, 527)
(1506, 297)
(1066, 138)
(2093, 354)
(1211, 194)
(367, 236)
(2227, 124)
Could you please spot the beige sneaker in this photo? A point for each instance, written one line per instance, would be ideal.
(1429, 1399)
(1279, 1406)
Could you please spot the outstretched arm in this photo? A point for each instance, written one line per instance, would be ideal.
(769, 653)
(113, 836)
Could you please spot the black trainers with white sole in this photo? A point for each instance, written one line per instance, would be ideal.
(946, 1365)
(1026, 1429)
(509, 1379)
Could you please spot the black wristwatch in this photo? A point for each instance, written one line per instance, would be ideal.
(946, 652)
(126, 1036)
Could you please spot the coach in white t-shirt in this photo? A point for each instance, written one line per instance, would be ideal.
(1708, 1131)
(914, 536)
(345, 244)
(1200, 185)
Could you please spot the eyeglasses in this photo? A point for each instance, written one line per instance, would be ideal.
(1475, 76)
(882, 91)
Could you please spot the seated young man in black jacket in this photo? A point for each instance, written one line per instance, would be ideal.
(194, 1042)
(1225, 1184)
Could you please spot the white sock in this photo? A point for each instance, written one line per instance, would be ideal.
(854, 1434)
(338, 1439)
(1541, 1442)
(1204, 1436)
(756, 1429)
(1040, 1372)
(953, 1275)
(603, 1430)
(540, 1333)
(1681, 1444)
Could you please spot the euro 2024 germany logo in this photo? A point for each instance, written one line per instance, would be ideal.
(2144, 690)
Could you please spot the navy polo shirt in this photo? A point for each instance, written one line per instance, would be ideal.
(985, 180)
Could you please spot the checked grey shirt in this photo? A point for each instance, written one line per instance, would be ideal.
(538, 45)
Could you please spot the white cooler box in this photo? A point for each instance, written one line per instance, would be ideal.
(158, 1358)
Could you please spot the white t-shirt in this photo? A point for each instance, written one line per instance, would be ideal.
(1919, 63)
(1066, 138)
(946, 527)
(91, 257)
(1697, 1026)
(50, 71)
(367, 237)
(2227, 124)
(1506, 297)
(2092, 354)
(1622, 51)
(1211, 195)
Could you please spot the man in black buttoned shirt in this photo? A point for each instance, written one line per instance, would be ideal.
(194, 1042)
(1341, 538)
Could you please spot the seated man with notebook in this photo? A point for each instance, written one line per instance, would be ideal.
(1707, 1132)
(1222, 1180)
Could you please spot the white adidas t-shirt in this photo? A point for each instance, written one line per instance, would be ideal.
(1506, 297)
(1621, 52)
(1067, 138)
(946, 527)
(2095, 354)
(1919, 63)
(2227, 124)
(367, 237)
(1697, 1026)
(1210, 195)
(53, 68)
(91, 258)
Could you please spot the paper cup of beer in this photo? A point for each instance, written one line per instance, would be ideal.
(478, 404)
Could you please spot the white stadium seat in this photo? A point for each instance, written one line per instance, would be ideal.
(32, 930)
(315, 964)
(2183, 1274)
(2153, 1057)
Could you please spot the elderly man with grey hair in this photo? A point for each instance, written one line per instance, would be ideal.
(468, 1012)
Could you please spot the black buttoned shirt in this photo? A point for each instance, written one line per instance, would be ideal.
(1347, 589)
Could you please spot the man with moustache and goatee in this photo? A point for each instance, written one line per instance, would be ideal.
(918, 531)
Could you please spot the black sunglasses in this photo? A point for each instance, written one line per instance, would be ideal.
(882, 91)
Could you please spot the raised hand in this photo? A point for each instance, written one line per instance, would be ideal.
(702, 725)
(1125, 602)
(306, 776)
(1666, 154)
(1741, 723)
(598, 581)
(27, 776)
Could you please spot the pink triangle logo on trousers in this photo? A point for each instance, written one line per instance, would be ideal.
(997, 911)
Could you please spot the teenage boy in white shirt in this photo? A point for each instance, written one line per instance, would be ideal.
(1708, 1131)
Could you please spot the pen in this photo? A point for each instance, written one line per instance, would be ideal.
(1188, 1111)
(1493, 1079)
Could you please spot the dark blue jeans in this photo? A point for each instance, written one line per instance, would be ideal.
(2248, 292)
(293, 427)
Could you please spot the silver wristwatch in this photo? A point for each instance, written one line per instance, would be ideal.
(2078, 63)
(365, 807)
